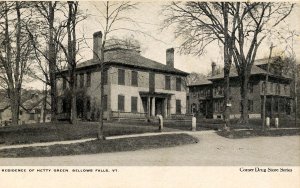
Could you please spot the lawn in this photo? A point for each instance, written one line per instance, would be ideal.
(102, 146)
(63, 131)
(256, 132)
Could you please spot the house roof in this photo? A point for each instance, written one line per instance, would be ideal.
(4, 103)
(133, 59)
(30, 99)
(35, 102)
(200, 82)
(255, 70)
(265, 60)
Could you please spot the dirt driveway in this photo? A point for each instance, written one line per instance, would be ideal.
(212, 150)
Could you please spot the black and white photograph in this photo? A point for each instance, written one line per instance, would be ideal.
(156, 84)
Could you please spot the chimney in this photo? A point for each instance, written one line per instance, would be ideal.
(97, 39)
(213, 68)
(170, 57)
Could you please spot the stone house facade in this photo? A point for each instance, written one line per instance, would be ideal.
(206, 96)
(134, 86)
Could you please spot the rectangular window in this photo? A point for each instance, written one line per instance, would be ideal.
(278, 89)
(75, 80)
(178, 84)
(31, 116)
(178, 106)
(250, 87)
(105, 102)
(121, 100)
(121, 76)
(263, 87)
(167, 82)
(64, 83)
(134, 78)
(105, 77)
(88, 79)
(81, 82)
(88, 104)
(250, 105)
(133, 104)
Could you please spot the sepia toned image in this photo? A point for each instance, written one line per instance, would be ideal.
(112, 83)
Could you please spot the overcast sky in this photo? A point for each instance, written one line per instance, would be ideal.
(155, 42)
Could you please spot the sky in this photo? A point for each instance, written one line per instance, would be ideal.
(154, 41)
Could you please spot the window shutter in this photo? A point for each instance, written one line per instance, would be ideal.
(121, 102)
(121, 76)
(167, 83)
(134, 78)
(133, 104)
(178, 84)
(178, 107)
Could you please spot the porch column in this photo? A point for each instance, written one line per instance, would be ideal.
(148, 106)
(272, 107)
(153, 106)
(165, 107)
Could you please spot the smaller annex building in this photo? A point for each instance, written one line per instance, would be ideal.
(206, 96)
(134, 86)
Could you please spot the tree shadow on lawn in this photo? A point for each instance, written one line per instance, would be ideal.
(34, 133)
(102, 146)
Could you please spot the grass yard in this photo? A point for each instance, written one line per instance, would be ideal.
(102, 146)
(235, 134)
(34, 133)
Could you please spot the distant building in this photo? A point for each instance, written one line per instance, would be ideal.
(31, 109)
(206, 96)
(135, 86)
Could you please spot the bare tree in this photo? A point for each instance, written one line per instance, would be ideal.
(261, 19)
(199, 24)
(44, 39)
(110, 15)
(15, 50)
(74, 16)
(239, 27)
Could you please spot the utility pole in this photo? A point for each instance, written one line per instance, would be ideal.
(265, 88)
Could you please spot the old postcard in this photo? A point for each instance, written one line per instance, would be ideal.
(149, 94)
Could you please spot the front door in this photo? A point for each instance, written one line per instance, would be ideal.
(159, 106)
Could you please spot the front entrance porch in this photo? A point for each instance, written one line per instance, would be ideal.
(156, 104)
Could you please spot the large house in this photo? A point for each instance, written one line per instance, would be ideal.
(135, 86)
(206, 96)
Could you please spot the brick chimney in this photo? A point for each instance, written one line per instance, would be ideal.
(213, 68)
(97, 43)
(170, 57)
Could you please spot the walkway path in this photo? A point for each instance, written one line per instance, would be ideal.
(89, 139)
(211, 150)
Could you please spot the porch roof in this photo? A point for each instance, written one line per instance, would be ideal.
(147, 93)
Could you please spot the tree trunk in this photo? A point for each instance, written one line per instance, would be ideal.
(226, 97)
(73, 99)
(14, 102)
(100, 127)
(52, 64)
(227, 65)
(244, 120)
(45, 104)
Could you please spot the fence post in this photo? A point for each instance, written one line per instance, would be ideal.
(277, 122)
(161, 122)
(118, 115)
(268, 122)
(194, 123)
